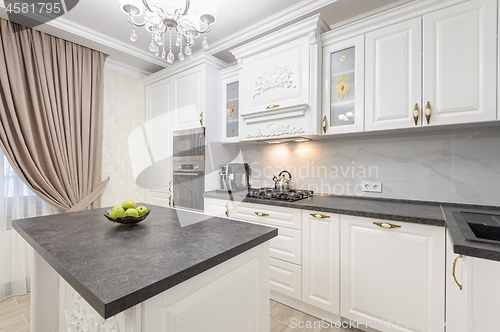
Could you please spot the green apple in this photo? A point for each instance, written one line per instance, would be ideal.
(142, 210)
(128, 204)
(131, 212)
(117, 212)
(117, 206)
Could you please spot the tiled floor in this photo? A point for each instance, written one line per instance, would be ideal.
(15, 314)
(15, 317)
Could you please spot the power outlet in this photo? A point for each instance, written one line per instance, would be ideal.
(375, 187)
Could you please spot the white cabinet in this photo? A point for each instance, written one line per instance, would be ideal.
(472, 293)
(393, 76)
(188, 99)
(267, 214)
(217, 207)
(279, 82)
(459, 61)
(321, 260)
(159, 139)
(286, 278)
(278, 77)
(343, 86)
(393, 274)
(230, 104)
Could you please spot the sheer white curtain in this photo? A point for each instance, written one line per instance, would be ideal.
(16, 201)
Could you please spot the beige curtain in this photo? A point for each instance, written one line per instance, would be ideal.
(51, 105)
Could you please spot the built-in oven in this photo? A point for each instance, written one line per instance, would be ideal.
(189, 144)
(189, 184)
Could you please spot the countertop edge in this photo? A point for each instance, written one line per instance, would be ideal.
(460, 245)
(298, 205)
(78, 286)
(112, 308)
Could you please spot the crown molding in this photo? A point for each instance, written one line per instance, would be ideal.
(97, 37)
(125, 69)
(405, 11)
(229, 71)
(370, 13)
(280, 37)
(269, 23)
(181, 66)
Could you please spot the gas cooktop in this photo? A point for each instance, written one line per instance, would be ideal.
(272, 193)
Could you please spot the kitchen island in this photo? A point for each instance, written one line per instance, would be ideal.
(175, 271)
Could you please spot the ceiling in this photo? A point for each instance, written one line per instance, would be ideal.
(101, 25)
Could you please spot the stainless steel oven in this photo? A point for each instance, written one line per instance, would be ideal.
(189, 145)
(189, 184)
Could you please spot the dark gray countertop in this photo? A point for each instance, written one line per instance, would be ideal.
(397, 210)
(115, 267)
(427, 213)
(461, 246)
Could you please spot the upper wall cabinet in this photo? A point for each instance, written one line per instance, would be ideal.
(279, 82)
(343, 86)
(460, 61)
(188, 95)
(230, 104)
(193, 93)
(393, 76)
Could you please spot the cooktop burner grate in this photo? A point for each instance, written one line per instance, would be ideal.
(272, 193)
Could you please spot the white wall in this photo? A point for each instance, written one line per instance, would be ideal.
(124, 111)
(447, 165)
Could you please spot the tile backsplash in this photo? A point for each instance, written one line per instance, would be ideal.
(461, 166)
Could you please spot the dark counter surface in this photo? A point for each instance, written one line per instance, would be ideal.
(389, 209)
(115, 267)
(461, 246)
(427, 213)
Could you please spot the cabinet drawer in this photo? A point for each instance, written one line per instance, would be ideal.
(287, 245)
(271, 215)
(286, 278)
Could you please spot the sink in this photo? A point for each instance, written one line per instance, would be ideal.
(479, 227)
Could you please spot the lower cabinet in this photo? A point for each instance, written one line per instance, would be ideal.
(321, 260)
(217, 207)
(392, 274)
(472, 293)
(286, 278)
(161, 198)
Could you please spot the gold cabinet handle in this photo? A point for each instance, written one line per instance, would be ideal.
(270, 107)
(170, 201)
(170, 186)
(262, 214)
(323, 124)
(227, 210)
(201, 119)
(319, 216)
(454, 266)
(428, 112)
(386, 225)
(416, 114)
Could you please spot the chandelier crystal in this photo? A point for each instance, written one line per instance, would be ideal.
(171, 16)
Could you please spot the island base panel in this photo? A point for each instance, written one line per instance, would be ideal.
(233, 296)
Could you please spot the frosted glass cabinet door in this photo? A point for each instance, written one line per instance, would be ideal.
(393, 76)
(230, 106)
(343, 87)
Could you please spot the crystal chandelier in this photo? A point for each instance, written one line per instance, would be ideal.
(162, 16)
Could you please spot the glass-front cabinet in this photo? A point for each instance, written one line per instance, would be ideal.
(230, 105)
(343, 87)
